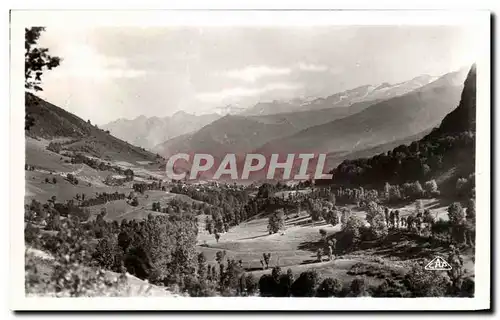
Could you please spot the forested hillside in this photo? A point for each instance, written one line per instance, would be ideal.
(449, 147)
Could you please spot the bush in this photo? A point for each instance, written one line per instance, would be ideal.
(358, 287)
(134, 202)
(378, 228)
(276, 221)
(467, 288)
(322, 232)
(286, 282)
(456, 213)
(431, 188)
(329, 288)
(305, 285)
(250, 284)
(54, 147)
(425, 283)
(390, 289)
(350, 235)
(267, 286)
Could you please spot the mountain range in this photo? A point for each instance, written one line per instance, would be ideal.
(338, 131)
(359, 122)
(341, 99)
(148, 132)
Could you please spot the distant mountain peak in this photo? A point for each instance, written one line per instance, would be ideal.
(341, 99)
(148, 132)
(383, 85)
(181, 113)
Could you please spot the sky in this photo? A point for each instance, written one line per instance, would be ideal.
(109, 73)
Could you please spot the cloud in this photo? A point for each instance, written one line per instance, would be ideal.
(82, 61)
(309, 67)
(253, 73)
(239, 92)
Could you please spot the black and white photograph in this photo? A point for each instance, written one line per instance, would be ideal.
(185, 159)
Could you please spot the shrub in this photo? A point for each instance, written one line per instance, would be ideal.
(390, 289)
(431, 188)
(285, 283)
(425, 283)
(378, 228)
(322, 232)
(276, 221)
(250, 284)
(358, 287)
(471, 210)
(134, 202)
(54, 147)
(350, 235)
(107, 254)
(467, 288)
(456, 213)
(329, 288)
(267, 285)
(305, 285)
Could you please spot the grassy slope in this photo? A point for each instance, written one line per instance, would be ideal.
(296, 249)
(52, 122)
(135, 286)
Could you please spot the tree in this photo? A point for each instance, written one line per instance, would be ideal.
(332, 217)
(134, 202)
(456, 272)
(358, 287)
(394, 193)
(36, 59)
(305, 285)
(129, 175)
(267, 258)
(378, 227)
(276, 273)
(319, 254)
(372, 210)
(329, 288)
(416, 189)
(250, 284)
(351, 232)
(345, 214)
(425, 283)
(387, 191)
(103, 212)
(431, 188)
(267, 285)
(471, 211)
(285, 284)
(219, 256)
(276, 221)
(428, 218)
(456, 213)
(322, 232)
(461, 186)
(315, 209)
